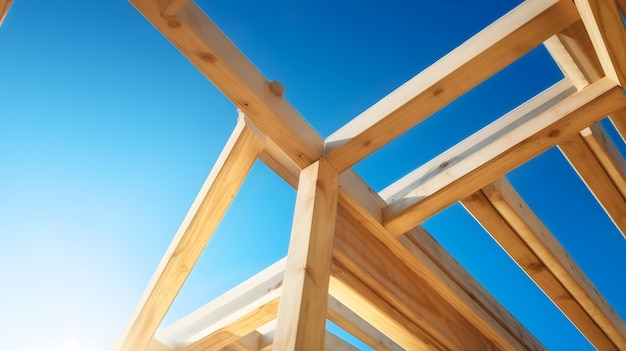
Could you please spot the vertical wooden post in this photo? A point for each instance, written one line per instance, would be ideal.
(302, 310)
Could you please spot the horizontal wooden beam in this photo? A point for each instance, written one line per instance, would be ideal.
(206, 212)
(201, 41)
(489, 51)
(509, 220)
(497, 149)
(605, 25)
(238, 325)
(199, 323)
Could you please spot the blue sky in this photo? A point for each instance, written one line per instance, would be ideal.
(107, 133)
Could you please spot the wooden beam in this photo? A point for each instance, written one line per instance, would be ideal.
(618, 118)
(509, 220)
(489, 51)
(206, 212)
(592, 153)
(5, 5)
(605, 26)
(375, 253)
(201, 322)
(358, 297)
(239, 324)
(349, 321)
(496, 150)
(334, 343)
(302, 313)
(250, 342)
(201, 41)
(586, 161)
(573, 52)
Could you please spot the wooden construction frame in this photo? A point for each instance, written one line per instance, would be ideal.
(360, 259)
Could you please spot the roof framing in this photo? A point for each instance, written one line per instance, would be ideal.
(360, 258)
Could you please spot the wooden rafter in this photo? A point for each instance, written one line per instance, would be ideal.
(199, 39)
(402, 289)
(511, 147)
(592, 153)
(510, 221)
(219, 189)
(497, 46)
(605, 25)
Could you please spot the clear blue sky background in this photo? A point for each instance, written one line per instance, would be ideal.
(107, 133)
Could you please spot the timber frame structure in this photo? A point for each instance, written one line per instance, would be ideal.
(360, 258)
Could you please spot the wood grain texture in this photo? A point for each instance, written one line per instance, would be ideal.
(494, 48)
(255, 315)
(444, 279)
(509, 220)
(515, 147)
(202, 42)
(203, 321)
(302, 315)
(349, 321)
(205, 214)
(586, 163)
(604, 23)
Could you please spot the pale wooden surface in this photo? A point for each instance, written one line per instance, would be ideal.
(302, 314)
(494, 48)
(199, 39)
(542, 132)
(206, 212)
(371, 255)
(509, 220)
(605, 26)
(376, 268)
(587, 164)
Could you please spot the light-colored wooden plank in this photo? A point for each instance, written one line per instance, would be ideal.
(169, 8)
(156, 345)
(494, 48)
(592, 153)
(349, 321)
(376, 253)
(250, 342)
(302, 315)
(457, 173)
(334, 343)
(5, 5)
(199, 323)
(350, 291)
(510, 221)
(607, 154)
(480, 147)
(580, 155)
(239, 324)
(221, 186)
(618, 118)
(199, 39)
(606, 30)
(463, 291)
(573, 52)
